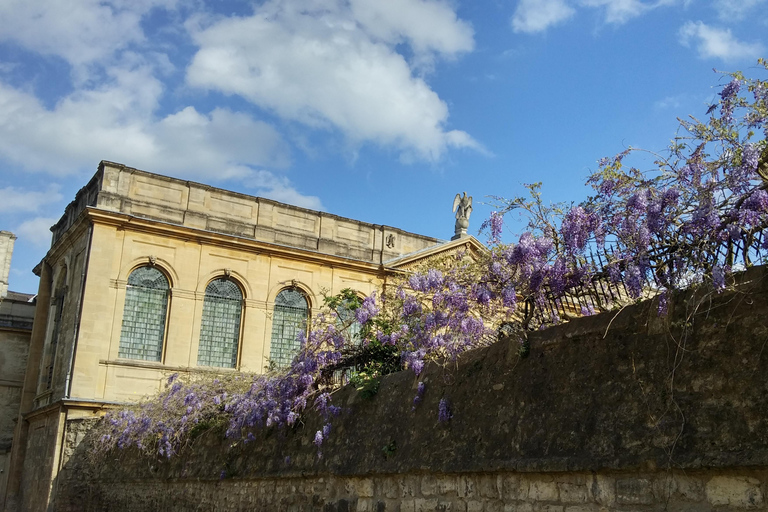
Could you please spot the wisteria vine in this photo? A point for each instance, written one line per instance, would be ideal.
(697, 215)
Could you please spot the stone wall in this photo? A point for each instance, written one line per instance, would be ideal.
(465, 492)
(36, 479)
(14, 345)
(17, 311)
(623, 411)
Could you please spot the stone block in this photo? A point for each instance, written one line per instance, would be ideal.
(475, 506)
(364, 487)
(428, 485)
(366, 505)
(409, 486)
(738, 492)
(494, 506)
(688, 488)
(514, 488)
(541, 490)
(488, 486)
(522, 507)
(390, 487)
(467, 487)
(634, 491)
(664, 487)
(572, 493)
(447, 485)
(450, 506)
(425, 505)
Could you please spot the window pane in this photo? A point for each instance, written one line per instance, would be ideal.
(290, 317)
(146, 303)
(220, 329)
(350, 325)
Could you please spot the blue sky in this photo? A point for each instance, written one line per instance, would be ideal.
(378, 110)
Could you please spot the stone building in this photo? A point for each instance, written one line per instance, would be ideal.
(17, 311)
(149, 275)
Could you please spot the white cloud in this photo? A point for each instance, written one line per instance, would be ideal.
(620, 11)
(113, 112)
(428, 26)
(329, 65)
(713, 42)
(730, 10)
(36, 231)
(81, 32)
(116, 122)
(16, 200)
(669, 102)
(537, 15)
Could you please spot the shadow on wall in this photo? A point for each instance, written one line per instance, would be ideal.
(617, 410)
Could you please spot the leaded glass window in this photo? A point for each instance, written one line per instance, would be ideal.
(220, 329)
(349, 324)
(146, 304)
(290, 316)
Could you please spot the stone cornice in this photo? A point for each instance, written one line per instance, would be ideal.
(255, 247)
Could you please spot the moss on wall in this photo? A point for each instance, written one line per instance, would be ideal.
(624, 396)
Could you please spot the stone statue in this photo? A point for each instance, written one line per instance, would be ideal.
(463, 207)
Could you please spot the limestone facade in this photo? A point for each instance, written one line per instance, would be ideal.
(126, 223)
(17, 311)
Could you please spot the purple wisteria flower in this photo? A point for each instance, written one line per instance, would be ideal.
(444, 413)
(419, 394)
(663, 307)
(495, 224)
(718, 277)
(668, 224)
(367, 309)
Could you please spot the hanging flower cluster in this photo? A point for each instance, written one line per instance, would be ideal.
(702, 206)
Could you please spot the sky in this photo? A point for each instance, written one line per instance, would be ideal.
(376, 110)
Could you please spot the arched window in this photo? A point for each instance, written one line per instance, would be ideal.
(347, 321)
(290, 316)
(146, 305)
(220, 329)
(57, 312)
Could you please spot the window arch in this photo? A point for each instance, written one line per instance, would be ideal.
(347, 320)
(220, 327)
(57, 313)
(146, 306)
(290, 316)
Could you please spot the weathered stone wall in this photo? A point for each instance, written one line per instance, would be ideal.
(465, 492)
(621, 411)
(36, 477)
(16, 315)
